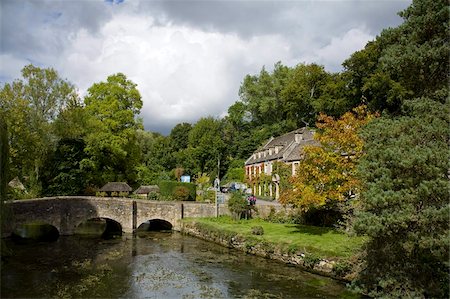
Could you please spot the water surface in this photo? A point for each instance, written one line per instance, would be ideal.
(158, 265)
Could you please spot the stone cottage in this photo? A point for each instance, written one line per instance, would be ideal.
(287, 148)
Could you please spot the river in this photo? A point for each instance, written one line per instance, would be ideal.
(155, 265)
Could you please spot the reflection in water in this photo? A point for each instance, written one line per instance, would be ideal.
(158, 265)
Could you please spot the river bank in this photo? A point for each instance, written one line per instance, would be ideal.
(317, 250)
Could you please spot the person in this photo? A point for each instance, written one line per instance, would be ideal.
(252, 200)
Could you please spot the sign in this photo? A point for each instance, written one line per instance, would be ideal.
(220, 198)
(185, 178)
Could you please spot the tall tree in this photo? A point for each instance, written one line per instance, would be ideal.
(405, 62)
(30, 106)
(404, 208)
(111, 144)
(206, 145)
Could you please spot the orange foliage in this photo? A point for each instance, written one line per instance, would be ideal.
(327, 172)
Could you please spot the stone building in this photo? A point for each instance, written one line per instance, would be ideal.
(287, 148)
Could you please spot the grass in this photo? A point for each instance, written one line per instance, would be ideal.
(325, 242)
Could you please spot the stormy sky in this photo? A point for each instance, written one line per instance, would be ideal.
(187, 57)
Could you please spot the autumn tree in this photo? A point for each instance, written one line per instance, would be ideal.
(327, 172)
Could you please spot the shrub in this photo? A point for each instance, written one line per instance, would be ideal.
(153, 196)
(180, 193)
(310, 260)
(114, 194)
(257, 230)
(237, 205)
(123, 194)
(167, 189)
(100, 194)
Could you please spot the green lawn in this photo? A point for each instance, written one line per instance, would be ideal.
(325, 242)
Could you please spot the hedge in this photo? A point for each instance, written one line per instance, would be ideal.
(167, 189)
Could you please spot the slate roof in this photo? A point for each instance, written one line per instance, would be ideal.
(289, 148)
(116, 187)
(147, 189)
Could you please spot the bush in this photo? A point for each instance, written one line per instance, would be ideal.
(237, 205)
(258, 230)
(114, 194)
(181, 193)
(167, 189)
(100, 194)
(123, 194)
(208, 196)
(153, 196)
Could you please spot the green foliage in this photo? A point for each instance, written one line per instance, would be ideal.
(283, 217)
(111, 143)
(405, 207)
(180, 193)
(4, 160)
(406, 62)
(62, 174)
(100, 194)
(29, 107)
(167, 189)
(206, 144)
(310, 260)
(153, 196)
(235, 172)
(237, 204)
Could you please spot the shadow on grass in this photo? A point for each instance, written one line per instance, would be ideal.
(309, 230)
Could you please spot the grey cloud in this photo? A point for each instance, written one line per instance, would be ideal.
(319, 19)
(36, 29)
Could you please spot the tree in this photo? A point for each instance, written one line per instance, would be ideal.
(327, 172)
(179, 136)
(30, 106)
(62, 173)
(406, 62)
(404, 207)
(206, 144)
(111, 144)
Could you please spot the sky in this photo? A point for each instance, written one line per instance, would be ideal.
(188, 58)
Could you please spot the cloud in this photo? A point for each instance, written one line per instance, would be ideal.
(187, 57)
(340, 48)
(182, 73)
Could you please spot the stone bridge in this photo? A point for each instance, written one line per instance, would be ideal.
(67, 212)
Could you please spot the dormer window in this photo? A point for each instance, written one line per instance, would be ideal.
(270, 151)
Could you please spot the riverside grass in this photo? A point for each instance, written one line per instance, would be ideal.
(324, 242)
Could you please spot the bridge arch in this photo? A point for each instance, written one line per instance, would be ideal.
(99, 226)
(35, 230)
(155, 225)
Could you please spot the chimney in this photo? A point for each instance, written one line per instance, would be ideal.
(298, 137)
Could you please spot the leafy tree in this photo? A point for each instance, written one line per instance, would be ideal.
(406, 62)
(235, 172)
(179, 136)
(62, 174)
(404, 207)
(303, 89)
(206, 144)
(30, 105)
(327, 172)
(111, 144)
